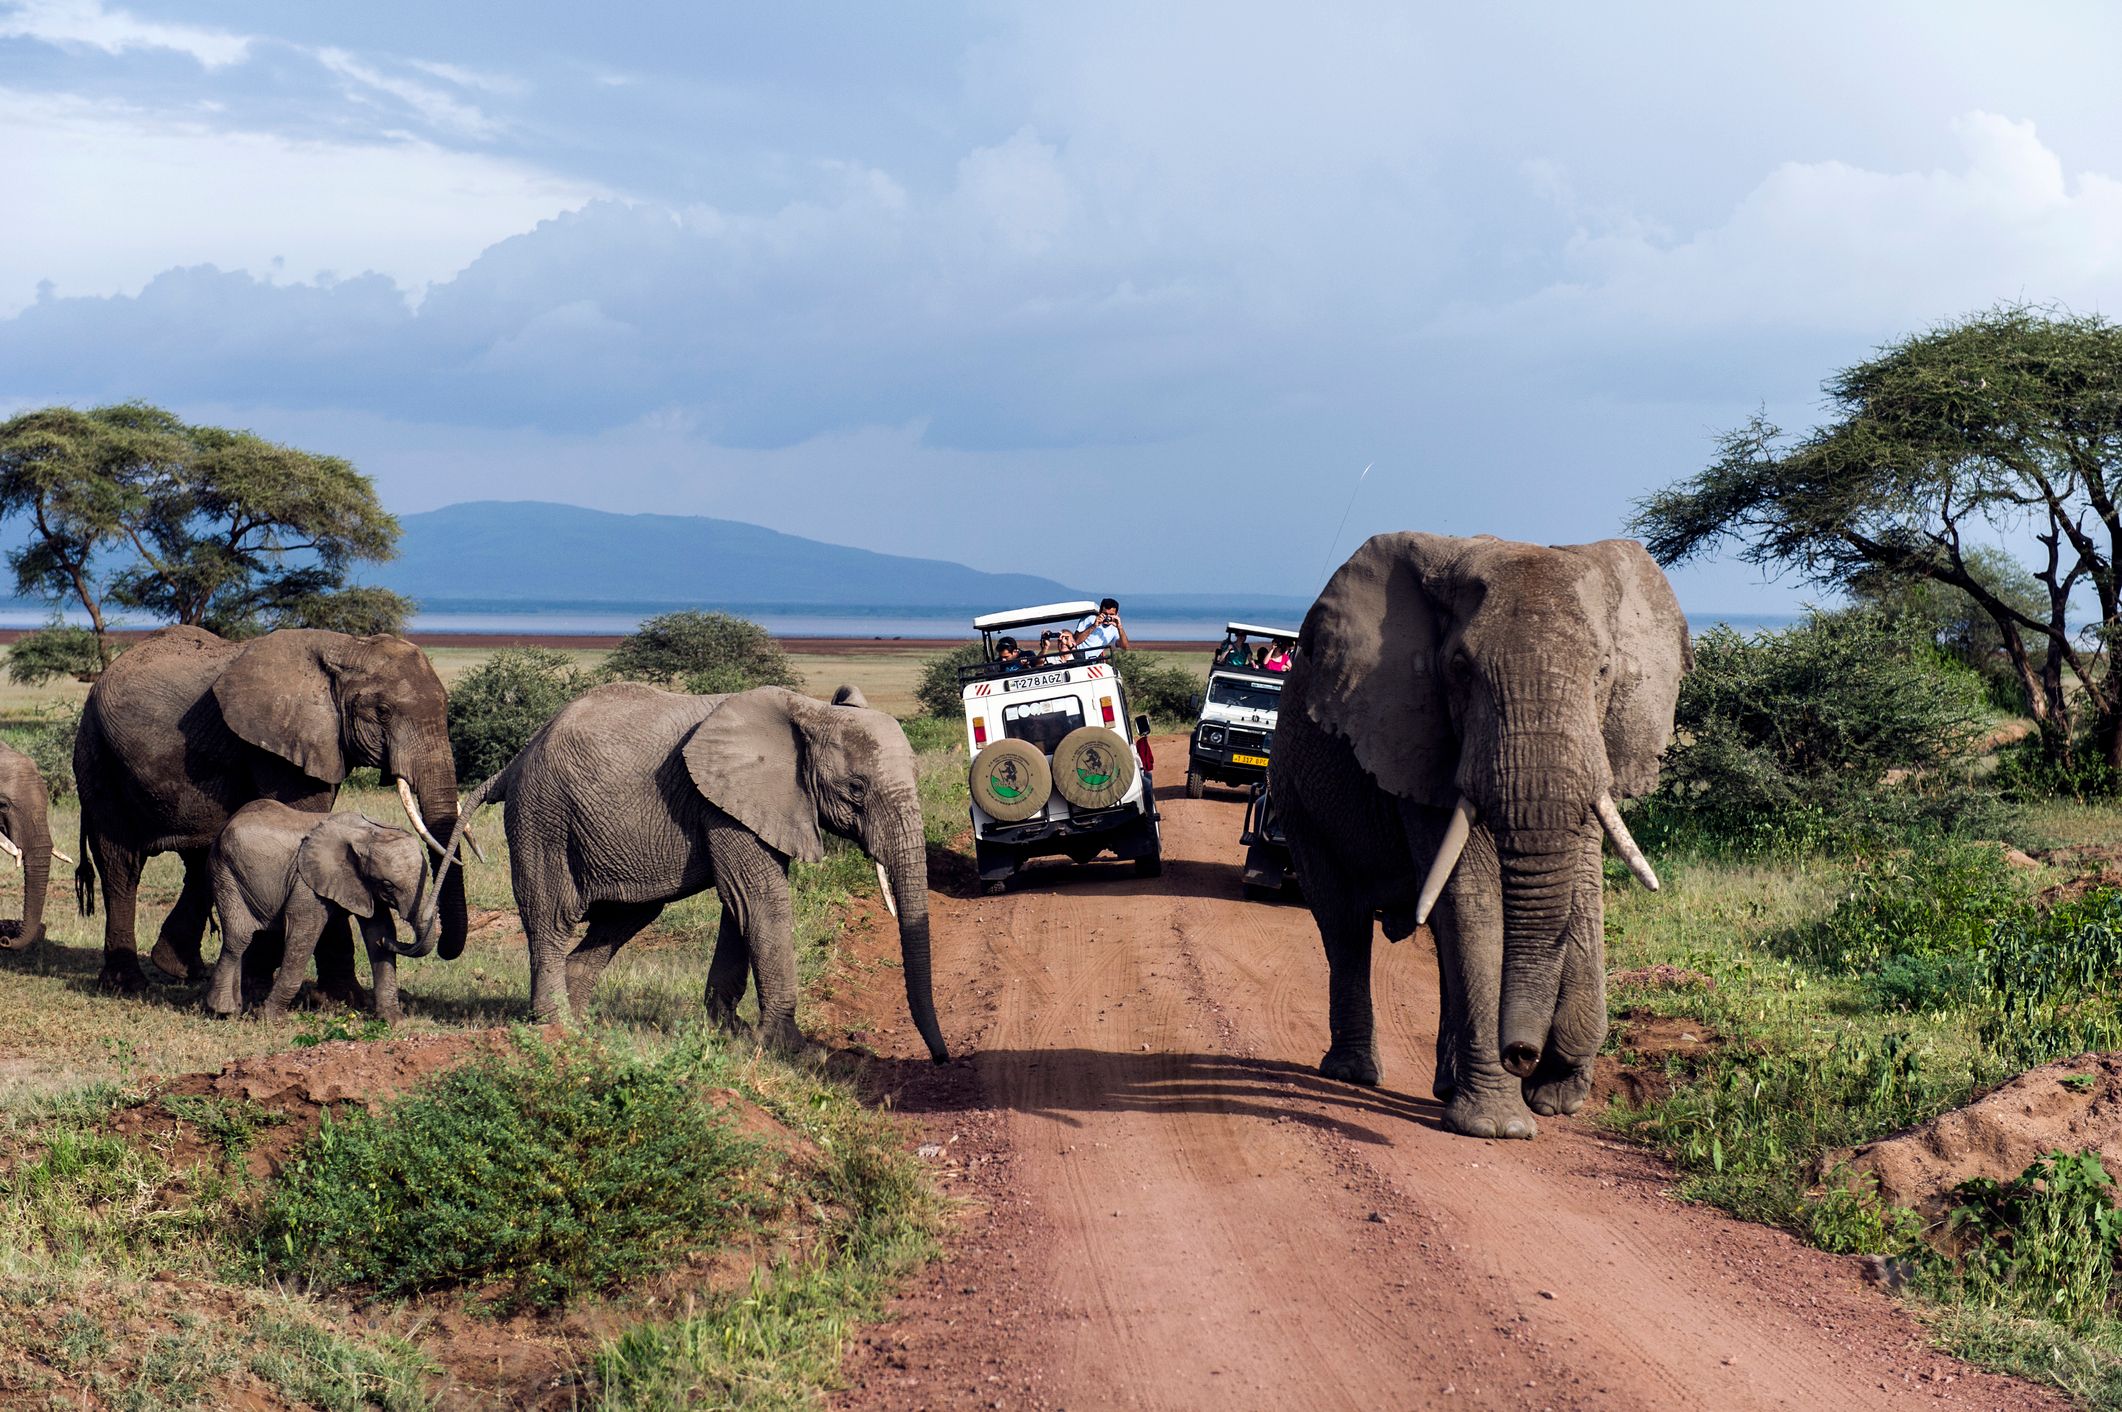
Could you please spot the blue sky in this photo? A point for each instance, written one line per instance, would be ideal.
(1126, 295)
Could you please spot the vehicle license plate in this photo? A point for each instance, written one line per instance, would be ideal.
(1028, 683)
(1248, 759)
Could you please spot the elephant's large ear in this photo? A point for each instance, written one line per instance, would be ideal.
(1368, 658)
(278, 695)
(747, 759)
(1651, 653)
(329, 864)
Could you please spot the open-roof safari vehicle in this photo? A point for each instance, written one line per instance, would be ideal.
(1060, 768)
(1236, 732)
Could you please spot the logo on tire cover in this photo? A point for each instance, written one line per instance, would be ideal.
(1006, 779)
(1094, 765)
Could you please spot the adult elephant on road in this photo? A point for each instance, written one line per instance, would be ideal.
(631, 798)
(186, 728)
(1462, 715)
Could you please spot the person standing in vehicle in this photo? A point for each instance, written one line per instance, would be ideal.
(1101, 632)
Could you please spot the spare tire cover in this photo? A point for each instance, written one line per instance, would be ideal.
(1093, 768)
(1010, 780)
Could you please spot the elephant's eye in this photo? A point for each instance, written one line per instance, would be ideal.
(856, 790)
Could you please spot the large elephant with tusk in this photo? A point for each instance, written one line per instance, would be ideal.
(186, 728)
(1461, 717)
(631, 798)
(26, 838)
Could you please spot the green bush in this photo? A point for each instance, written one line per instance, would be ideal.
(496, 707)
(703, 652)
(1916, 921)
(1839, 728)
(55, 650)
(48, 740)
(535, 1174)
(939, 693)
(2043, 1243)
(1156, 687)
(1850, 1218)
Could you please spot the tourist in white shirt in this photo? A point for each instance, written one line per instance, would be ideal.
(1101, 632)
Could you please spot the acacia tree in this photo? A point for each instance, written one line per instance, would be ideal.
(127, 505)
(2004, 425)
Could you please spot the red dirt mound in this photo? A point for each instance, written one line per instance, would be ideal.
(1651, 1052)
(2070, 1105)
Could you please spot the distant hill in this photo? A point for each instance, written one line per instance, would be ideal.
(504, 551)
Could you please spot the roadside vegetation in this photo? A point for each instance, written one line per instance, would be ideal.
(1886, 834)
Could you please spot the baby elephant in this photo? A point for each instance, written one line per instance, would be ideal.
(281, 872)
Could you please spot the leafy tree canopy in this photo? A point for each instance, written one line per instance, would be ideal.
(2005, 424)
(702, 652)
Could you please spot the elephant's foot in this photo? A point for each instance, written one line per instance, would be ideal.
(1494, 1113)
(791, 1043)
(1352, 1065)
(122, 974)
(390, 1013)
(1558, 1088)
(177, 965)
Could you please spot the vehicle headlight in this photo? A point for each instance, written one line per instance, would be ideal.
(1212, 737)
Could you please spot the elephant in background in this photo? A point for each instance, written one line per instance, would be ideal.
(287, 874)
(186, 728)
(630, 798)
(25, 832)
(1462, 716)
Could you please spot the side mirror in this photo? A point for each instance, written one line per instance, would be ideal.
(1193, 703)
(1142, 725)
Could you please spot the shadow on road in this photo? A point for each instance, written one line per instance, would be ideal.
(1059, 1083)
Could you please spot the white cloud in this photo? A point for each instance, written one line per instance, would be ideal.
(1833, 246)
(86, 24)
(121, 194)
(436, 106)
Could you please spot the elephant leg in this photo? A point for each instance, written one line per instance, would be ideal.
(1564, 1079)
(224, 992)
(336, 980)
(727, 974)
(260, 961)
(1486, 1100)
(304, 922)
(611, 926)
(753, 883)
(119, 867)
(176, 952)
(377, 935)
(1345, 931)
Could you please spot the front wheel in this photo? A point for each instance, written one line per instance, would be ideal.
(1193, 784)
(1150, 865)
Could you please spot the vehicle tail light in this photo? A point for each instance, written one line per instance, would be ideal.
(1149, 761)
(979, 730)
(1105, 709)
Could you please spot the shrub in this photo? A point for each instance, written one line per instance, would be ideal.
(716, 650)
(49, 742)
(1916, 920)
(2043, 1243)
(938, 692)
(1164, 691)
(1838, 726)
(55, 650)
(547, 1171)
(499, 705)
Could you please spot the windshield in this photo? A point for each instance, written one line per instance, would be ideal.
(1244, 695)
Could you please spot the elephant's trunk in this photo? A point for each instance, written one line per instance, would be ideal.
(905, 866)
(434, 787)
(33, 837)
(1539, 887)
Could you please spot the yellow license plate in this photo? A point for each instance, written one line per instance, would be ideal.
(1248, 759)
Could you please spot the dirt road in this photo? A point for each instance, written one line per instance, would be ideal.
(1168, 1208)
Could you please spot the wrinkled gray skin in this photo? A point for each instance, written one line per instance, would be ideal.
(631, 798)
(24, 817)
(283, 872)
(1528, 680)
(186, 728)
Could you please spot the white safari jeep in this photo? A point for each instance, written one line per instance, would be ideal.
(1059, 767)
(1236, 732)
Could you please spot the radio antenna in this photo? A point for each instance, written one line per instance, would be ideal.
(1336, 542)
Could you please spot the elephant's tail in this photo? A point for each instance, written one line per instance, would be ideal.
(85, 875)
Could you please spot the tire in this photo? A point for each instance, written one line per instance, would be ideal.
(1150, 865)
(1010, 780)
(1093, 767)
(1193, 784)
(1256, 893)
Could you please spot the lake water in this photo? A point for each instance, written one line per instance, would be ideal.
(1150, 627)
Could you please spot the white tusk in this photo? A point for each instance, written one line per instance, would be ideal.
(62, 858)
(477, 851)
(891, 903)
(9, 844)
(1455, 834)
(412, 812)
(1610, 820)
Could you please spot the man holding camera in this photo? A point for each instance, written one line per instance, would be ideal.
(1101, 632)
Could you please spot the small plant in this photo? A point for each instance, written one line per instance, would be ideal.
(230, 1122)
(1850, 1218)
(2044, 1242)
(2080, 1083)
(939, 693)
(500, 704)
(541, 1173)
(336, 1025)
(1917, 921)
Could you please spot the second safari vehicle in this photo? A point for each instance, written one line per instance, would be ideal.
(1236, 732)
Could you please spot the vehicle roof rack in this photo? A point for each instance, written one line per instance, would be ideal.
(1255, 630)
(1028, 617)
